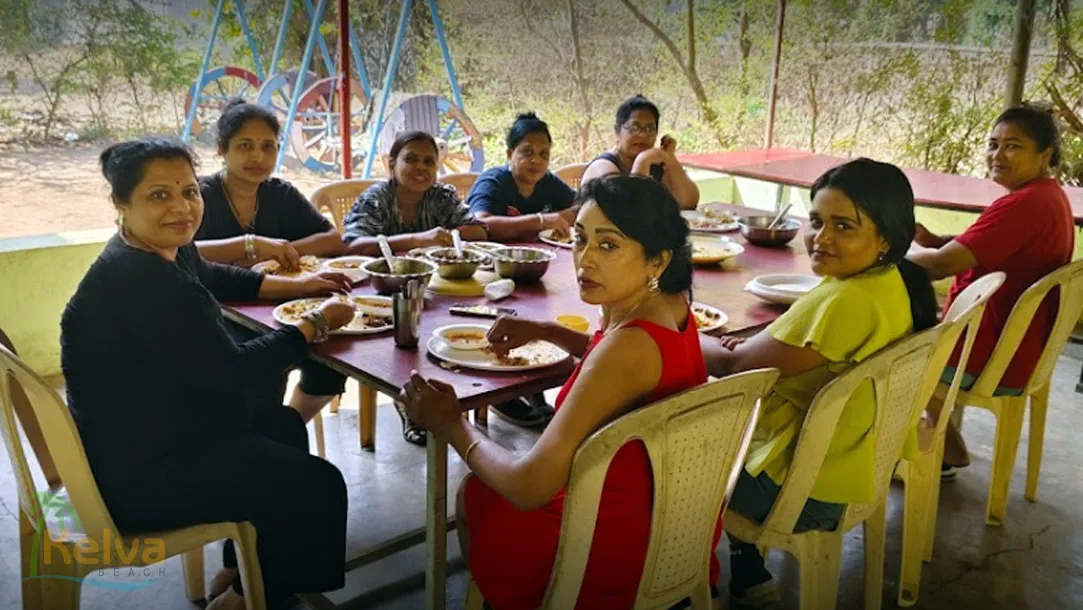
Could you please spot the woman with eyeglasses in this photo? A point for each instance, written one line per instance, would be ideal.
(636, 128)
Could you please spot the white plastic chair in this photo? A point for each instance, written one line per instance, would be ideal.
(921, 473)
(697, 441)
(1009, 410)
(572, 174)
(902, 383)
(49, 582)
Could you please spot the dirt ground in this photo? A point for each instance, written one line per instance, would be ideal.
(47, 190)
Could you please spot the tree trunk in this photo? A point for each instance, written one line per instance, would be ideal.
(580, 83)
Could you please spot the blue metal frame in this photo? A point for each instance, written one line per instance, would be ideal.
(389, 80)
(453, 80)
(202, 80)
(306, 59)
(332, 67)
(280, 42)
(248, 36)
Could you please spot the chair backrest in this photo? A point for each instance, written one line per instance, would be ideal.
(1069, 280)
(62, 444)
(697, 441)
(339, 196)
(462, 182)
(572, 174)
(898, 373)
(964, 315)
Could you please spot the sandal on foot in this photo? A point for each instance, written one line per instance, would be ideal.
(410, 433)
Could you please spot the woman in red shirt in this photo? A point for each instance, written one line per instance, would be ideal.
(1027, 234)
(632, 258)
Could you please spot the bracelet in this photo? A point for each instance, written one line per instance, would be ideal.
(466, 454)
(541, 222)
(250, 247)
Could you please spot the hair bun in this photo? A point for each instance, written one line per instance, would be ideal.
(526, 116)
(234, 102)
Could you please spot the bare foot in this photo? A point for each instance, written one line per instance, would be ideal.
(229, 600)
(221, 582)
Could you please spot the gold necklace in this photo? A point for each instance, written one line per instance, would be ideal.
(250, 228)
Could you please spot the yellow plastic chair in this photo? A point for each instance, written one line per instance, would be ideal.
(462, 182)
(697, 441)
(93, 542)
(572, 174)
(920, 474)
(1009, 410)
(338, 197)
(902, 383)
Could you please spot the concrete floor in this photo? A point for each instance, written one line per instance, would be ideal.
(1035, 561)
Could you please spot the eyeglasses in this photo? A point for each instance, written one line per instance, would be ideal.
(640, 130)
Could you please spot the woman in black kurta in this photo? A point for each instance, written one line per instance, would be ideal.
(249, 217)
(155, 381)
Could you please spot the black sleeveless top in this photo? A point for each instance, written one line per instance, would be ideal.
(657, 170)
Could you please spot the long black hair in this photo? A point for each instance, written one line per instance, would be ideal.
(883, 193)
(645, 211)
(124, 164)
(236, 113)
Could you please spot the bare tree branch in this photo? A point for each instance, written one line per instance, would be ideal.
(533, 30)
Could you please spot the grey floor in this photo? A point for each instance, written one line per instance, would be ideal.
(1035, 561)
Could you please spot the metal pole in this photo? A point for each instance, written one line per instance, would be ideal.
(1017, 74)
(280, 42)
(772, 95)
(389, 80)
(331, 69)
(360, 63)
(344, 29)
(252, 46)
(310, 45)
(438, 25)
(202, 80)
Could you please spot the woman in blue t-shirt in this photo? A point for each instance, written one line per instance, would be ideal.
(521, 198)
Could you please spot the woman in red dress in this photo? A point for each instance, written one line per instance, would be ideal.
(632, 258)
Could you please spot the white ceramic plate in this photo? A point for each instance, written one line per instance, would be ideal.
(708, 318)
(309, 265)
(541, 355)
(784, 288)
(463, 337)
(703, 221)
(546, 236)
(711, 250)
(368, 305)
(349, 265)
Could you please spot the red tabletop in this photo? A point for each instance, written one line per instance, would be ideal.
(377, 361)
(801, 168)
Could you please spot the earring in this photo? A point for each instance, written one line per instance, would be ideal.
(652, 285)
(120, 220)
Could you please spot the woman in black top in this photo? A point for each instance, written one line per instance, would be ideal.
(249, 217)
(155, 382)
(635, 153)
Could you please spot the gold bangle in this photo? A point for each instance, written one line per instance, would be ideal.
(466, 454)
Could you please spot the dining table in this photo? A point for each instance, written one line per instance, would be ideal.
(380, 366)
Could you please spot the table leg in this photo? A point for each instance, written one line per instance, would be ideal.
(367, 418)
(435, 523)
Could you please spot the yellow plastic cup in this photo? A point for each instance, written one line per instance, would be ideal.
(574, 322)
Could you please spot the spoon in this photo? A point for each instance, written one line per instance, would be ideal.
(458, 240)
(385, 249)
(780, 215)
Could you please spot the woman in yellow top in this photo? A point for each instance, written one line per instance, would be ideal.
(860, 227)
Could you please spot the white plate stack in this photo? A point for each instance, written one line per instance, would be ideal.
(783, 288)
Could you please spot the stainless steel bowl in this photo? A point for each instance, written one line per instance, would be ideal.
(406, 269)
(522, 264)
(754, 229)
(450, 267)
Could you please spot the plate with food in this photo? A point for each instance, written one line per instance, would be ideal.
(547, 236)
(708, 319)
(709, 250)
(349, 265)
(486, 246)
(537, 355)
(706, 219)
(465, 337)
(372, 314)
(309, 264)
(783, 288)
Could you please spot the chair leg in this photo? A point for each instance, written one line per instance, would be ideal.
(1039, 405)
(874, 531)
(1009, 429)
(915, 519)
(321, 442)
(474, 600)
(335, 402)
(60, 593)
(248, 562)
(367, 419)
(932, 508)
(31, 587)
(820, 562)
(481, 416)
(701, 597)
(192, 566)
